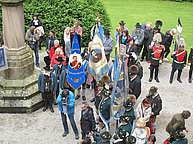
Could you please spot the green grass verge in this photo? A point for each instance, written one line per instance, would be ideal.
(133, 11)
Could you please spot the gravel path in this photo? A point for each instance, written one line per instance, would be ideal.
(46, 127)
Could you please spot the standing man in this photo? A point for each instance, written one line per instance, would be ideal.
(76, 28)
(47, 85)
(66, 107)
(50, 41)
(177, 123)
(155, 57)
(134, 81)
(179, 60)
(148, 37)
(190, 62)
(122, 26)
(168, 41)
(156, 105)
(87, 120)
(138, 35)
(58, 69)
(32, 38)
(108, 44)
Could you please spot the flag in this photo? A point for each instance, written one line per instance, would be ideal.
(3, 59)
(98, 65)
(75, 71)
(119, 92)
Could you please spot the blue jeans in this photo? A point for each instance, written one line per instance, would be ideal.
(65, 125)
(35, 49)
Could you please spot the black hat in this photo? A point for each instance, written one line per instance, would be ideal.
(105, 135)
(107, 33)
(47, 68)
(59, 59)
(128, 104)
(105, 92)
(133, 69)
(122, 23)
(138, 25)
(125, 118)
(121, 133)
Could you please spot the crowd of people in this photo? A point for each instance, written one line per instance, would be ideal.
(137, 125)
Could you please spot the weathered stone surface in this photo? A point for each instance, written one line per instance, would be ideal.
(11, 1)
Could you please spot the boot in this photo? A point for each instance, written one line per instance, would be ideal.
(45, 105)
(156, 79)
(179, 75)
(50, 106)
(190, 76)
(151, 75)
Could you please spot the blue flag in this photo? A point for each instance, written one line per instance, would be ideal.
(3, 59)
(75, 71)
(98, 65)
(118, 94)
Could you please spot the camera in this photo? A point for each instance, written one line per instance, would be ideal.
(64, 101)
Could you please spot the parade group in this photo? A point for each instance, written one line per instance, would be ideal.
(137, 123)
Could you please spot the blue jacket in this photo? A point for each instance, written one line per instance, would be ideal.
(55, 68)
(41, 82)
(62, 79)
(70, 101)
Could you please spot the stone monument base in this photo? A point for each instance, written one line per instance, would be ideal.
(20, 96)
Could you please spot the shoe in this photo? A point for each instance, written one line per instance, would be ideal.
(165, 59)
(92, 100)
(178, 79)
(83, 98)
(150, 79)
(190, 80)
(65, 133)
(141, 59)
(45, 106)
(76, 136)
(77, 97)
(157, 80)
(44, 109)
(37, 65)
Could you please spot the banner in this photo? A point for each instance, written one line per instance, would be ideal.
(3, 59)
(98, 65)
(75, 71)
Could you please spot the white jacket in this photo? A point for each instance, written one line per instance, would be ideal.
(140, 134)
(140, 113)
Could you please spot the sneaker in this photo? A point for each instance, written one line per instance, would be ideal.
(83, 98)
(165, 59)
(76, 136)
(65, 133)
(77, 97)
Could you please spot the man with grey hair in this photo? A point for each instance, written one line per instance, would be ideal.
(148, 36)
(53, 49)
(87, 120)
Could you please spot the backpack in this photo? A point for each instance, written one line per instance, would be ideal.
(47, 83)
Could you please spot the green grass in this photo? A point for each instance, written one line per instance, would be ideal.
(133, 11)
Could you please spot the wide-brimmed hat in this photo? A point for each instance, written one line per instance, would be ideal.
(122, 23)
(122, 133)
(105, 135)
(59, 59)
(138, 25)
(47, 68)
(105, 92)
(107, 33)
(125, 118)
(179, 134)
(128, 104)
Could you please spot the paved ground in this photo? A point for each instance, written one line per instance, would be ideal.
(46, 127)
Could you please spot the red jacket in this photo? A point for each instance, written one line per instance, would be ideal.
(52, 51)
(53, 61)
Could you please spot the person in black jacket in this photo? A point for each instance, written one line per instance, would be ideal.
(168, 41)
(87, 120)
(156, 105)
(148, 37)
(134, 81)
(121, 133)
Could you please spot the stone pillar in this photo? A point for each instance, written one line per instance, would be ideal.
(18, 88)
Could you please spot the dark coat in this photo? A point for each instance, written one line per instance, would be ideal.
(156, 104)
(148, 37)
(87, 121)
(39, 23)
(177, 123)
(126, 41)
(85, 53)
(167, 39)
(135, 86)
(50, 42)
(190, 59)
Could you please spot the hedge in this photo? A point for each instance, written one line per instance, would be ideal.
(59, 14)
